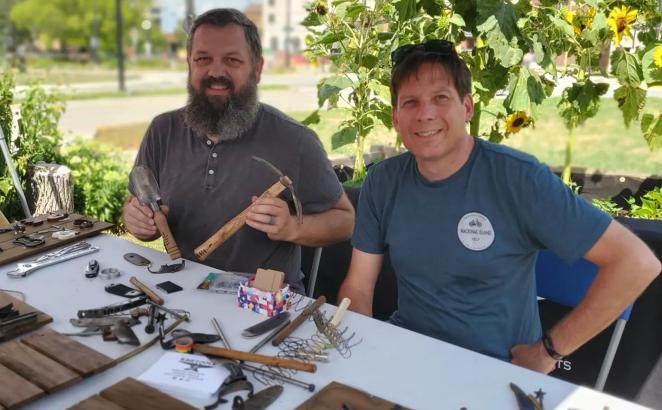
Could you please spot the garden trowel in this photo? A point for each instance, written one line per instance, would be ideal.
(143, 186)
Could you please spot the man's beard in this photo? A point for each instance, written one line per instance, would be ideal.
(226, 116)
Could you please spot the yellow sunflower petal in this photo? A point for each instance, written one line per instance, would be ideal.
(657, 56)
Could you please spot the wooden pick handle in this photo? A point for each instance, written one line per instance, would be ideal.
(340, 312)
(168, 239)
(232, 226)
(278, 339)
(254, 357)
(147, 291)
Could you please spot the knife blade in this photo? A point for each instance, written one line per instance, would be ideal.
(266, 325)
(524, 401)
(259, 401)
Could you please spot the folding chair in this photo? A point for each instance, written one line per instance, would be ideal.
(312, 280)
(567, 284)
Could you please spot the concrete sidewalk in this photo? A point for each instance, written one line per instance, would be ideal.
(83, 117)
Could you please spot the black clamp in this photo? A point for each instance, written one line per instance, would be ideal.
(83, 223)
(28, 241)
(175, 267)
(236, 381)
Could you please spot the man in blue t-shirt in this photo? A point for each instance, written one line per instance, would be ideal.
(463, 221)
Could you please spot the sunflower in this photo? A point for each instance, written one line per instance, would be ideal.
(619, 22)
(515, 122)
(657, 56)
(580, 19)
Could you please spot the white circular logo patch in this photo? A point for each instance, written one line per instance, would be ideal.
(475, 231)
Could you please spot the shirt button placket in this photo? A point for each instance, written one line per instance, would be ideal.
(211, 165)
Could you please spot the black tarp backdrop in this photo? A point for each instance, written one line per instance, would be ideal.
(633, 376)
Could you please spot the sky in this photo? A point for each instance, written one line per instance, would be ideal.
(173, 10)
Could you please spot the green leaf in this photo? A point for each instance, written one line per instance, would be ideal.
(368, 61)
(329, 88)
(580, 102)
(652, 73)
(651, 127)
(385, 36)
(563, 25)
(328, 38)
(457, 20)
(631, 101)
(343, 137)
(628, 70)
(381, 90)
(312, 19)
(502, 12)
(313, 118)
(384, 115)
(506, 51)
(355, 10)
(525, 93)
(431, 7)
(406, 9)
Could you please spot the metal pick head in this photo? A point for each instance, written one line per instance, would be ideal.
(287, 182)
(143, 185)
(268, 164)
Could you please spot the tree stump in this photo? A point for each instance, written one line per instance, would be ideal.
(50, 188)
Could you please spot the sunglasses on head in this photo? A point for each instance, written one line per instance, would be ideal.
(440, 47)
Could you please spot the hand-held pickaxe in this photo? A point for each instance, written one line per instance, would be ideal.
(234, 224)
(142, 185)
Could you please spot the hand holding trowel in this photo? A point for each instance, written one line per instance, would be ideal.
(234, 224)
(143, 186)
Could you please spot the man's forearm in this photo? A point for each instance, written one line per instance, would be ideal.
(615, 287)
(361, 301)
(325, 228)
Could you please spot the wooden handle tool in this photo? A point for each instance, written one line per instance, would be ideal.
(168, 240)
(147, 291)
(233, 225)
(278, 339)
(254, 357)
(340, 312)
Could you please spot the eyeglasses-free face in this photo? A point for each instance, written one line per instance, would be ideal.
(440, 47)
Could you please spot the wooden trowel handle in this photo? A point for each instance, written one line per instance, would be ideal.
(168, 240)
(233, 225)
(146, 290)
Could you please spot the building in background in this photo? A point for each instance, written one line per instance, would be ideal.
(282, 33)
(254, 12)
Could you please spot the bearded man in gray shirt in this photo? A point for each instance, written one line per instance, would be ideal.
(201, 157)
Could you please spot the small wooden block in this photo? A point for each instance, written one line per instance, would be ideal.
(96, 403)
(22, 307)
(131, 394)
(15, 391)
(68, 352)
(337, 395)
(34, 366)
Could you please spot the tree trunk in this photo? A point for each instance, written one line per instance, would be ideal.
(50, 188)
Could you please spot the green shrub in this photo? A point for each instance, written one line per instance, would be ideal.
(650, 207)
(100, 179)
(37, 138)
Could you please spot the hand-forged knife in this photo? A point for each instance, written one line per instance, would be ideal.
(259, 401)
(524, 401)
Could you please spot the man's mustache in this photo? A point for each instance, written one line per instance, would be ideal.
(222, 81)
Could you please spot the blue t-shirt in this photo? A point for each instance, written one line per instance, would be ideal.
(464, 248)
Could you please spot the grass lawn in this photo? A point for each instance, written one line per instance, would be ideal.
(602, 143)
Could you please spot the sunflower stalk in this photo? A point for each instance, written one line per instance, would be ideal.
(567, 167)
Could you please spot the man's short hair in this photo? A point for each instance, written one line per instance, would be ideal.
(419, 56)
(225, 17)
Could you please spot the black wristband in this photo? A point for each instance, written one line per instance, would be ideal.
(549, 347)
